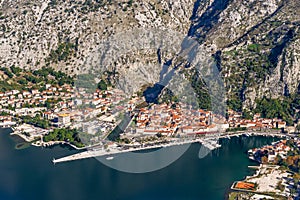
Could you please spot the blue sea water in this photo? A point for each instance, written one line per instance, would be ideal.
(29, 174)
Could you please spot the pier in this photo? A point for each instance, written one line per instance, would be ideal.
(202, 140)
(105, 152)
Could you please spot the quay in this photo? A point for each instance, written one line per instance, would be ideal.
(104, 152)
(202, 140)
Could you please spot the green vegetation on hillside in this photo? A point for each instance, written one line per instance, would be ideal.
(102, 85)
(62, 53)
(284, 108)
(20, 79)
(254, 48)
(168, 96)
(255, 57)
(199, 88)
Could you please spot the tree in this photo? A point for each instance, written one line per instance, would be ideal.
(102, 85)
(264, 159)
(3, 113)
(15, 70)
(247, 115)
(7, 72)
(275, 108)
(278, 160)
(23, 81)
(47, 104)
(254, 48)
(235, 104)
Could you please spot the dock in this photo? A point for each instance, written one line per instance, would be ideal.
(106, 152)
(211, 144)
(112, 151)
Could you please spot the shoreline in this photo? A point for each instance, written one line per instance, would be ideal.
(39, 142)
(228, 191)
(196, 163)
(223, 134)
(261, 172)
(270, 180)
(110, 152)
(228, 135)
(105, 152)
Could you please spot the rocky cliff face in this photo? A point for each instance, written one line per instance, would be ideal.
(255, 43)
(262, 59)
(62, 34)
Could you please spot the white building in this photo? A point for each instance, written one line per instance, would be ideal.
(64, 119)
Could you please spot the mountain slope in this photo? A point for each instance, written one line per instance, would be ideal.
(63, 33)
(256, 44)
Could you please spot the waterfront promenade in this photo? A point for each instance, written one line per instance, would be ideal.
(113, 151)
(202, 140)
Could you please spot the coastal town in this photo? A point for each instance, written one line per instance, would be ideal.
(104, 121)
(142, 100)
(61, 112)
(70, 115)
(97, 114)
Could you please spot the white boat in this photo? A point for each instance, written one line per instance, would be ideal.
(110, 158)
(251, 158)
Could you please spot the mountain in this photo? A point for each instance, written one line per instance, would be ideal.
(255, 44)
(63, 33)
